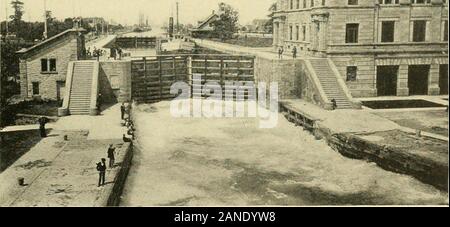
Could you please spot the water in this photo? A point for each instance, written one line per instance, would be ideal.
(231, 162)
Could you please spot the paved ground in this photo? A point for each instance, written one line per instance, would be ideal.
(265, 52)
(62, 173)
(213, 162)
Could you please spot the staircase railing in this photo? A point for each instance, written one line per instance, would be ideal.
(93, 110)
(355, 103)
(64, 110)
(326, 104)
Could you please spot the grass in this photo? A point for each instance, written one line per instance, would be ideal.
(249, 41)
(48, 108)
(15, 144)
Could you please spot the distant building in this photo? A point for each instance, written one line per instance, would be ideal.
(204, 28)
(380, 47)
(258, 26)
(43, 67)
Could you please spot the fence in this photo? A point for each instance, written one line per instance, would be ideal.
(152, 77)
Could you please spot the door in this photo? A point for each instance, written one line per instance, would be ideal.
(418, 79)
(387, 80)
(443, 79)
(60, 90)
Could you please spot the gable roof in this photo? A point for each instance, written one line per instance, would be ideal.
(206, 21)
(49, 41)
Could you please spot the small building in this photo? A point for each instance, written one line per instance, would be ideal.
(205, 27)
(43, 67)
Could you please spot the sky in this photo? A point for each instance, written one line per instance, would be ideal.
(127, 11)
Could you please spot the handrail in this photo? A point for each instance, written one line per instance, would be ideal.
(64, 110)
(326, 103)
(93, 110)
(343, 85)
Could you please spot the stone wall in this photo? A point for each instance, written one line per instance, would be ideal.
(294, 79)
(115, 81)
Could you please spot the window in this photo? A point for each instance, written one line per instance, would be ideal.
(53, 65)
(352, 72)
(48, 65)
(420, 1)
(445, 38)
(388, 2)
(297, 33)
(298, 4)
(323, 2)
(44, 65)
(35, 88)
(312, 3)
(352, 2)
(304, 33)
(351, 35)
(304, 4)
(290, 32)
(115, 81)
(419, 31)
(387, 31)
(291, 4)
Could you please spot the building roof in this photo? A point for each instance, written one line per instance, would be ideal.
(49, 41)
(203, 23)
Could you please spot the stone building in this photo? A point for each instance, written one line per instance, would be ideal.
(43, 67)
(380, 47)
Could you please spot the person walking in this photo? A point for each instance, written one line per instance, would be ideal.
(42, 122)
(280, 53)
(294, 53)
(101, 168)
(111, 155)
(122, 111)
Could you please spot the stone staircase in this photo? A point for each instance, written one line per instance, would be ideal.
(330, 84)
(80, 91)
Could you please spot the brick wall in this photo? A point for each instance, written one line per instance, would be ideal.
(122, 71)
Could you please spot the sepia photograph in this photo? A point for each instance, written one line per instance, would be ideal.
(224, 103)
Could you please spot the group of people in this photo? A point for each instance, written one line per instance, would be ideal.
(281, 51)
(116, 53)
(101, 166)
(96, 53)
(125, 115)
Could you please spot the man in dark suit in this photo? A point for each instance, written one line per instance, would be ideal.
(101, 168)
(111, 155)
(42, 121)
(122, 110)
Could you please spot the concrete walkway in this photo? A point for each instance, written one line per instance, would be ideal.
(235, 49)
(63, 173)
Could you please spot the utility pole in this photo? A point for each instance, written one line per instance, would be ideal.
(6, 18)
(45, 19)
(178, 22)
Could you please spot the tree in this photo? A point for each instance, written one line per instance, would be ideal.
(269, 25)
(18, 11)
(227, 23)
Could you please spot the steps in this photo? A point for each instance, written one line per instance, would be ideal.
(80, 92)
(330, 84)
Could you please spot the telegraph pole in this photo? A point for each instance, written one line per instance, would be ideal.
(178, 22)
(6, 19)
(45, 19)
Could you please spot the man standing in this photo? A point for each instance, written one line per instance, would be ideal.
(294, 52)
(122, 111)
(111, 156)
(280, 53)
(42, 121)
(101, 167)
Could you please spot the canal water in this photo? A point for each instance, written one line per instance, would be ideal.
(232, 162)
